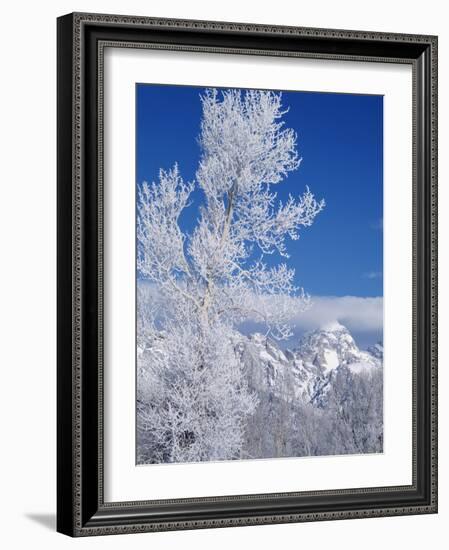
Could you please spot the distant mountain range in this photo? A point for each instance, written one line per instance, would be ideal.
(312, 366)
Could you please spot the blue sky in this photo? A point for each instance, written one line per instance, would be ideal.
(340, 141)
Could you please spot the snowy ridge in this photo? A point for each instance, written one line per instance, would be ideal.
(332, 346)
(312, 366)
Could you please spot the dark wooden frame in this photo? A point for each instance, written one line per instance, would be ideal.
(81, 509)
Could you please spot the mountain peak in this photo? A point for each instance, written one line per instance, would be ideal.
(332, 326)
(310, 367)
(332, 346)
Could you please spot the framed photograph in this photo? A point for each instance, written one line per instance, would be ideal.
(247, 284)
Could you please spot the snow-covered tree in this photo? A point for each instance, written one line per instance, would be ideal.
(192, 395)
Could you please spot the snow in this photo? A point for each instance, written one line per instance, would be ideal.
(357, 368)
(331, 359)
(258, 337)
(332, 326)
(265, 356)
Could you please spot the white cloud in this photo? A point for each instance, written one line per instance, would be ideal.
(357, 314)
(363, 317)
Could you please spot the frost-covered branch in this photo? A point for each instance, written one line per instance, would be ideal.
(160, 242)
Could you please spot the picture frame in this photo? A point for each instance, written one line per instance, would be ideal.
(81, 506)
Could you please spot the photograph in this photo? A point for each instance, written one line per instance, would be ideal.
(259, 274)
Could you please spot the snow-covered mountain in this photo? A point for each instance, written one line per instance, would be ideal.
(377, 350)
(332, 346)
(309, 369)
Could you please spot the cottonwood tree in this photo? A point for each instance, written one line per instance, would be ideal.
(193, 398)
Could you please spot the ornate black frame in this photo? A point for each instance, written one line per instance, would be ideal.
(81, 509)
